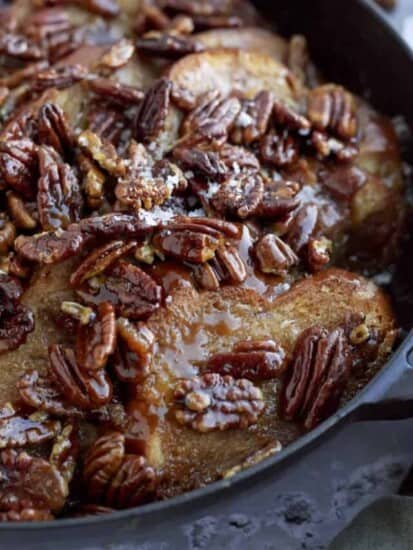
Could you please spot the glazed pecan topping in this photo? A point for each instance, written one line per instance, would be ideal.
(117, 479)
(115, 92)
(19, 431)
(19, 47)
(58, 198)
(253, 120)
(18, 165)
(53, 129)
(240, 195)
(99, 260)
(332, 108)
(167, 45)
(132, 291)
(214, 402)
(280, 148)
(153, 111)
(212, 118)
(253, 360)
(279, 198)
(59, 77)
(15, 326)
(320, 368)
(51, 247)
(30, 483)
(114, 224)
(97, 339)
(274, 255)
(148, 183)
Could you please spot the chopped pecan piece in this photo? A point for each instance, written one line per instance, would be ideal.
(18, 165)
(117, 479)
(279, 198)
(96, 341)
(148, 183)
(102, 152)
(84, 389)
(15, 326)
(18, 431)
(167, 45)
(132, 291)
(99, 260)
(58, 198)
(240, 195)
(115, 92)
(54, 130)
(326, 146)
(118, 55)
(274, 255)
(319, 253)
(212, 118)
(319, 371)
(255, 361)
(332, 108)
(150, 120)
(107, 120)
(280, 149)
(64, 453)
(19, 47)
(214, 402)
(50, 248)
(59, 77)
(253, 120)
(30, 482)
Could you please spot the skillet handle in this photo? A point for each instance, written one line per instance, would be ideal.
(393, 399)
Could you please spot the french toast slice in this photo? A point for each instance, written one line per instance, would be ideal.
(193, 326)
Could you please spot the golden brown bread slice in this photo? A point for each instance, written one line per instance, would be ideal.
(193, 326)
(246, 38)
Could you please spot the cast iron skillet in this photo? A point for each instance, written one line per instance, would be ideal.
(302, 497)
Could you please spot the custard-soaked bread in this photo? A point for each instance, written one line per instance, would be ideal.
(194, 327)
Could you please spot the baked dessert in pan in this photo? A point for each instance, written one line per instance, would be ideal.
(191, 220)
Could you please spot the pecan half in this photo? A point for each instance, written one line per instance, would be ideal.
(58, 198)
(150, 120)
(253, 120)
(133, 292)
(253, 360)
(135, 359)
(19, 431)
(212, 118)
(168, 45)
(99, 260)
(116, 92)
(281, 149)
(240, 195)
(39, 392)
(214, 402)
(15, 326)
(59, 77)
(107, 120)
(96, 341)
(274, 255)
(112, 225)
(30, 482)
(115, 478)
(53, 129)
(302, 227)
(286, 117)
(18, 165)
(118, 55)
(279, 198)
(230, 230)
(51, 247)
(226, 267)
(319, 371)
(332, 108)
(85, 389)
